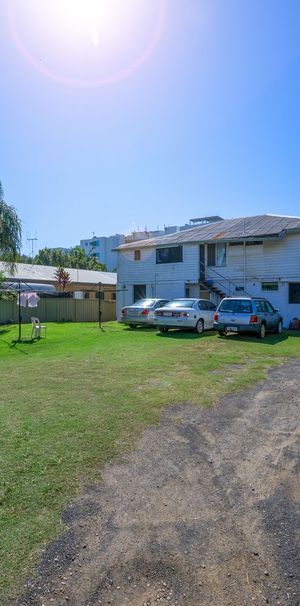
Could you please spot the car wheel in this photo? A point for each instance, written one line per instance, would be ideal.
(163, 329)
(262, 331)
(279, 328)
(199, 327)
(132, 325)
(222, 333)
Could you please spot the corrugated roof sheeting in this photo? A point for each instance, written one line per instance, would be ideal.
(45, 273)
(228, 229)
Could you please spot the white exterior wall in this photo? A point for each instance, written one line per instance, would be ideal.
(162, 280)
(249, 266)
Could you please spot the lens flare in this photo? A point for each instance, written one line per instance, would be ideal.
(107, 40)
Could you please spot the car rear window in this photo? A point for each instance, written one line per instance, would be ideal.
(182, 303)
(145, 303)
(236, 306)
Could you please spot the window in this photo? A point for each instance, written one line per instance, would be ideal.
(100, 295)
(255, 243)
(139, 292)
(269, 307)
(137, 255)
(239, 288)
(169, 255)
(211, 254)
(238, 306)
(113, 296)
(216, 254)
(269, 285)
(294, 292)
(182, 303)
(95, 243)
(221, 255)
(206, 305)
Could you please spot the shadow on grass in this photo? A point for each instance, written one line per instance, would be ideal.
(188, 334)
(139, 328)
(270, 339)
(3, 331)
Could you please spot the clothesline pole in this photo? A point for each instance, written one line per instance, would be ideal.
(20, 316)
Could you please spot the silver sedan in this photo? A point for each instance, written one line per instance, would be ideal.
(194, 314)
(141, 312)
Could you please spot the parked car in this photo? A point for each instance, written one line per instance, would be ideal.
(195, 314)
(247, 314)
(141, 312)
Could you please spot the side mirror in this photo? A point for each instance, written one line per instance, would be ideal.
(276, 309)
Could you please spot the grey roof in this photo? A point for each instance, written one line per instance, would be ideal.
(34, 287)
(45, 273)
(243, 228)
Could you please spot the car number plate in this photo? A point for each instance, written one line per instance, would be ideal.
(131, 312)
(168, 314)
(232, 328)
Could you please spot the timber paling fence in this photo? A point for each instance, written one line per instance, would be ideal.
(59, 310)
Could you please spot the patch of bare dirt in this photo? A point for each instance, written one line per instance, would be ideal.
(204, 512)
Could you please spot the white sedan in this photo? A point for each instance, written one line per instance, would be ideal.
(194, 314)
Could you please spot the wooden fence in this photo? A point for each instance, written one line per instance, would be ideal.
(59, 310)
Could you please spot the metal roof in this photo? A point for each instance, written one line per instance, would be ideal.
(244, 228)
(34, 287)
(45, 273)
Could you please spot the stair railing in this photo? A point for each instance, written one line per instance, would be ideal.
(231, 285)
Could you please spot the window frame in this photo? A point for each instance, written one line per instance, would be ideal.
(265, 285)
(159, 255)
(292, 295)
(137, 255)
(213, 254)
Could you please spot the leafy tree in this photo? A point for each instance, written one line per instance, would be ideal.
(62, 277)
(76, 258)
(10, 231)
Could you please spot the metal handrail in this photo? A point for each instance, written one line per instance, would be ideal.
(231, 284)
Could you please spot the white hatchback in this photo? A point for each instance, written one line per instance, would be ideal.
(193, 314)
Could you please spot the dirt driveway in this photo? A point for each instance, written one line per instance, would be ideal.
(204, 512)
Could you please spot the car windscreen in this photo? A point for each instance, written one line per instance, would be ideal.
(236, 306)
(145, 303)
(181, 303)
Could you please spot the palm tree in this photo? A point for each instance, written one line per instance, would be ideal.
(10, 231)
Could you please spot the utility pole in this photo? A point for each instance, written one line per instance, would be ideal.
(32, 240)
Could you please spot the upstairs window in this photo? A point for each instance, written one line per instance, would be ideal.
(137, 255)
(173, 254)
(216, 254)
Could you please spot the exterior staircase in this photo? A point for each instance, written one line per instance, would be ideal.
(211, 287)
(218, 284)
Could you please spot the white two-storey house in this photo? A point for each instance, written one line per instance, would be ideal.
(257, 256)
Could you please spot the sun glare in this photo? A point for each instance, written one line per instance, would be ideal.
(86, 42)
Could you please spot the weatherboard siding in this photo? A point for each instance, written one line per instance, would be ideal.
(274, 260)
(277, 260)
(148, 271)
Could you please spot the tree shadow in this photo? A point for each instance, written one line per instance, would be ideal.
(3, 331)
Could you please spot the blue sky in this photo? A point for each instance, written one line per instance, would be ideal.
(208, 124)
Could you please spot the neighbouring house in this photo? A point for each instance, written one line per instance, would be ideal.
(257, 256)
(84, 283)
(89, 296)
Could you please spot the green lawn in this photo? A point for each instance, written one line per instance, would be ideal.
(72, 401)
